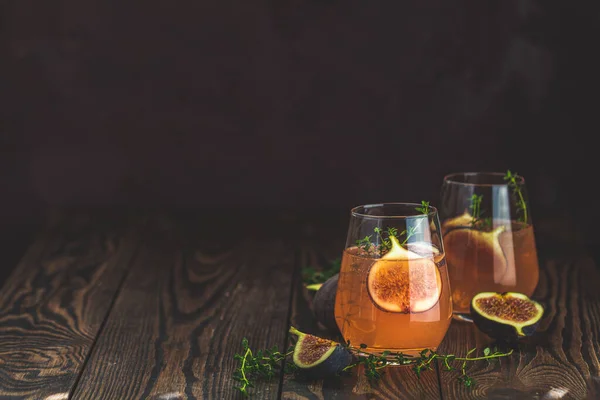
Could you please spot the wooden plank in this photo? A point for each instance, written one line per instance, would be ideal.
(560, 361)
(396, 383)
(54, 303)
(183, 311)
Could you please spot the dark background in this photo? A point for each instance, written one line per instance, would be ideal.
(292, 104)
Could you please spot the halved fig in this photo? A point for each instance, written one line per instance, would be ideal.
(403, 281)
(462, 221)
(481, 251)
(506, 316)
(319, 357)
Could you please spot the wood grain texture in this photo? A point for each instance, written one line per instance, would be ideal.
(560, 361)
(54, 303)
(396, 383)
(182, 314)
(98, 311)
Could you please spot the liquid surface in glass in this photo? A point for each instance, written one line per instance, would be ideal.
(396, 304)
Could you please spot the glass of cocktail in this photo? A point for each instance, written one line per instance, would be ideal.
(393, 291)
(488, 236)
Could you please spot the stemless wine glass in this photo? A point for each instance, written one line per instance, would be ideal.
(393, 291)
(488, 236)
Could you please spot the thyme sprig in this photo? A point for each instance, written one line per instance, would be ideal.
(475, 207)
(424, 208)
(476, 213)
(263, 364)
(373, 363)
(511, 178)
(383, 236)
(314, 277)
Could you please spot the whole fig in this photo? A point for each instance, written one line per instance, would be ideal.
(323, 304)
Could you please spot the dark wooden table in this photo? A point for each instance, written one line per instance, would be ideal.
(134, 304)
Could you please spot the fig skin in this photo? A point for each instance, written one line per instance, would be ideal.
(504, 332)
(323, 304)
(334, 364)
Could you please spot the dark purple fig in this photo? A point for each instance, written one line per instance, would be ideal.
(317, 357)
(506, 316)
(323, 304)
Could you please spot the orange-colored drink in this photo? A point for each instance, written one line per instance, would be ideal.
(398, 303)
(499, 258)
(488, 236)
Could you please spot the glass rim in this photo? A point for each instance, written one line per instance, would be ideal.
(452, 178)
(354, 211)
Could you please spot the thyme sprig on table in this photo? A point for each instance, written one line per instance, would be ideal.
(423, 362)
(265, 364)
(314, 276)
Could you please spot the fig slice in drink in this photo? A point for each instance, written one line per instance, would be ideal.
(462, 221)
(403, 281)
(481, 251)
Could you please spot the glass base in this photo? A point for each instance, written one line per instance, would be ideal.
(464, 317)
(392, 356)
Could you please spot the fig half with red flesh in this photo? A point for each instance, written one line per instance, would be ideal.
(403, 281)
(506, 316)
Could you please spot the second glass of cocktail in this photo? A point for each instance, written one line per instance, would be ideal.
(488, 236)
(393, 291)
